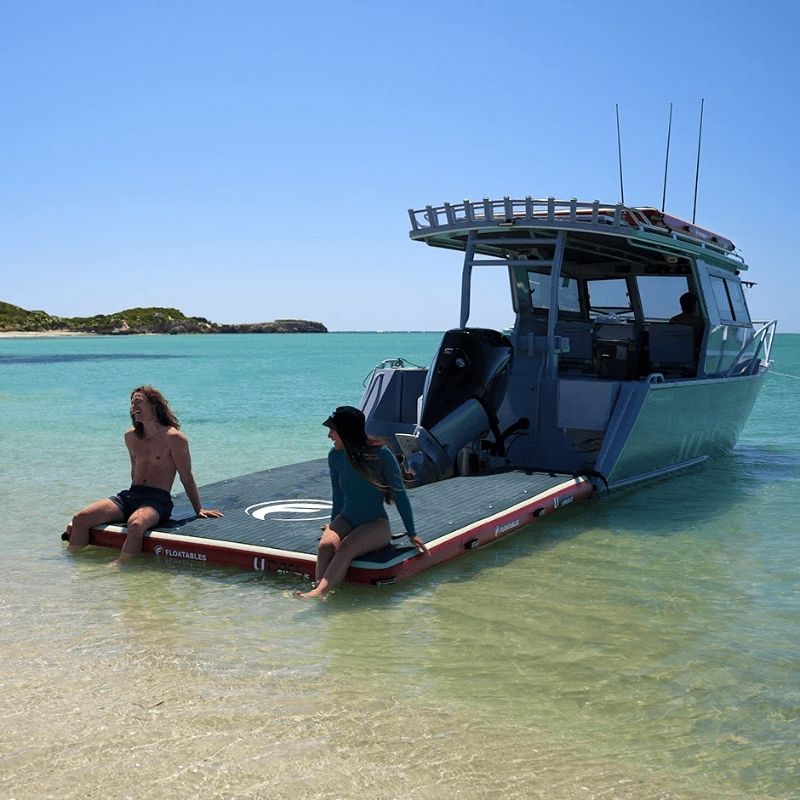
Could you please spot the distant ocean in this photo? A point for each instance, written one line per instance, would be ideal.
(642, 646)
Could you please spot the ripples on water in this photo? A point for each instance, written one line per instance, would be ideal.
(642, 646)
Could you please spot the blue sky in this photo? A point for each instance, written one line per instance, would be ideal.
(247, 161)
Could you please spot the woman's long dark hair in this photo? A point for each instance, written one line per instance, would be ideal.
(363, 456)
(164, 414)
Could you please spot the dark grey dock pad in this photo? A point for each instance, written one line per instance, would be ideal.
(284, 508)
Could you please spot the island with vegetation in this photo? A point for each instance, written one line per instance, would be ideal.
(14, 319)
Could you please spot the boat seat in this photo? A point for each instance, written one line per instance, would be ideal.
(581, 354)
(616, 349)
(615, 332)
(672, 348)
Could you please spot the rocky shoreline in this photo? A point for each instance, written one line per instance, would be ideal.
(18, 321)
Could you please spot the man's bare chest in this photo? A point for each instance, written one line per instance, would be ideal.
(155, 452)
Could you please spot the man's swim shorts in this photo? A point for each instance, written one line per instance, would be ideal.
(130, 500)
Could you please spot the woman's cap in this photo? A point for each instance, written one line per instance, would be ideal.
(345, 420)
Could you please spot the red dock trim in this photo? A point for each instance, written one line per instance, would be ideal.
(477, 535)
(212, 551)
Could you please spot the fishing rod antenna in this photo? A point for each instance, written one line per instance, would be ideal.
(619, 155)
(697, 170)
(666, 161)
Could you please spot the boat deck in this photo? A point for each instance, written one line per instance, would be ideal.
(273, 520)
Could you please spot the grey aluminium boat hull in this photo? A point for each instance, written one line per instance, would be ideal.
(675, 425)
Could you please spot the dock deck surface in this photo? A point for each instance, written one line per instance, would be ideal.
(273, 519)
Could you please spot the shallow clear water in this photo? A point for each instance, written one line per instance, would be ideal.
(643, 646)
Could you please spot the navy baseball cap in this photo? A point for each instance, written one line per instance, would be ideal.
(347, 421)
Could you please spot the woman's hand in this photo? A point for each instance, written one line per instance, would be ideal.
(419, 544)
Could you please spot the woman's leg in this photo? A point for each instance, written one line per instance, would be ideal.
(364, 539)
(332, 537)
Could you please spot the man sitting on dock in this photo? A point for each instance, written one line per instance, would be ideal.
(158, 451)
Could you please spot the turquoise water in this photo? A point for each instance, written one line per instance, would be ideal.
(644, 646)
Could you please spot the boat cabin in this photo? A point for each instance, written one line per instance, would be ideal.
(610, 303)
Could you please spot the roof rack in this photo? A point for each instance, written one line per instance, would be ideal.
(431, 220)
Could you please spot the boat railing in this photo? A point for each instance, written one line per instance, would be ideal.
(750, 358)
(507, 211)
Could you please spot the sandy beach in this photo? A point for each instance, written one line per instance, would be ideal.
(41, 334)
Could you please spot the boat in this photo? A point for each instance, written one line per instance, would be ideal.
(597, 376)
(599, 385)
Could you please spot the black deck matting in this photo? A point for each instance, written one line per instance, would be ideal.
(294, 501)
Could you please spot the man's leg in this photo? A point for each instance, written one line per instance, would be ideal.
(96, 513)
(138, 524)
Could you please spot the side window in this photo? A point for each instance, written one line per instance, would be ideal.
(568, 298)
(660, 295)
(722, 299)
(736, 296)
(609, 296)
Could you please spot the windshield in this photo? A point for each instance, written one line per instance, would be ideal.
(568, 297)
(609, 297)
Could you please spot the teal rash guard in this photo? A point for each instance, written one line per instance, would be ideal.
(358, 500)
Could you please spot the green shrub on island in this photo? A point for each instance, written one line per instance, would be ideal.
(140, 320)
(14, 318)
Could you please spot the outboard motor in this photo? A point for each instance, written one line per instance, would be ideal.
(464, 386)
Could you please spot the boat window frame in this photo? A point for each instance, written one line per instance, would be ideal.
(629, 314)
(736, 292)
(722, 300)
(724, 287)
(484, 270)
(675, 308)
(562, 312)
(709, 276)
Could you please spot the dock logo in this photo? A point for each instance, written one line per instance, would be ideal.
(509, 526)
(159, 551)
(291, 510)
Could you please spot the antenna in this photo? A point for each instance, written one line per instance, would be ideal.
(697, 171)
(619, 153)
(666, 161)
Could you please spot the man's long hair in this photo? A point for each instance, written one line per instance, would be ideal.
(164, 414)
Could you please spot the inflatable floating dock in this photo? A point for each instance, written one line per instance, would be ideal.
(273, 520)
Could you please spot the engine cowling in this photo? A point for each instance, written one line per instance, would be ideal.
(463, 389)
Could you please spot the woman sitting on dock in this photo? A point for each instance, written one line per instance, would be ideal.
(364, 475)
